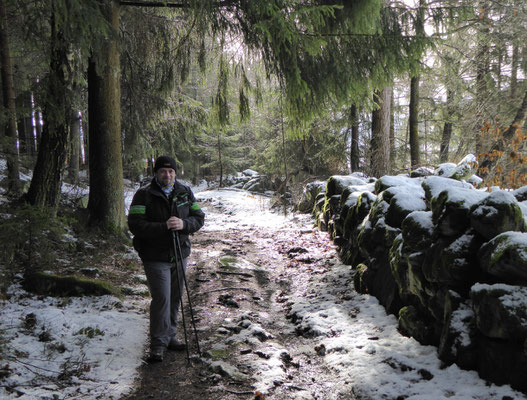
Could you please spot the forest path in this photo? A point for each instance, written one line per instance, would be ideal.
(249, 345)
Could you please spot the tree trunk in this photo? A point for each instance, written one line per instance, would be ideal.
(75, 147)
(47, 175)
(413, 123)
(482, 72)
(354, 146)
(447, 128)
(25, 124)
(220, 161)
(392, 133)
(380, 135)
(8, 91)
(106, 202)
(514, 70)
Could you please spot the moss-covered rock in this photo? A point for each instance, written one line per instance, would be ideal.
(501, 311)
(503, 362)
(417, 230)
(389, 181)
(450, 209)
(465, 168)
(520, 194)
(414, 324)
(55, 285)
(456, 344)
(505, 257)
(433, 185)
(360, 279)
(454, 263)
(497, 213)
(402, 201)
(309, 195)
(337, 183)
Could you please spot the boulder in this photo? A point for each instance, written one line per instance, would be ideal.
(520, 194)
(421, 172)
(417, 230)
(465, 168)
(505, 257)
(337, 183)
(309, 194)
(503, 363)
(497, 213)
(453, 263)
(450, 209)
(388, 181)
(412, 323)
(501, 311)
(403, 200)
(249, 172)
(446, 170)
(456, 344)
(434, 185)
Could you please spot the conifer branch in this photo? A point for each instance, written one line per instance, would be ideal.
(168, 4)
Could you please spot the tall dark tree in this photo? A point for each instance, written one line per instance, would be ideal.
(9, 114)
(44, 190)
(413, 123)
(380, 134)
(106, 202)
(447, 127)
(354, 145)
(75, 146)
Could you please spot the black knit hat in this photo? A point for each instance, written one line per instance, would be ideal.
(165, 162)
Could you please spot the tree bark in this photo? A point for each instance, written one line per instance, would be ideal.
(447, 128)
(393, 160)
(482, 72)
(380, 140)
(106, 202)
(354, 146)
(44, 190)
(8, 91)
(413, 123)
(25, 124)
(514, 70)
(75, 147)
(220, 161)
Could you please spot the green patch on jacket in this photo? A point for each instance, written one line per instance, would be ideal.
(137, 210)
(195, 206)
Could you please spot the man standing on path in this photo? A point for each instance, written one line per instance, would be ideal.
(158, 209)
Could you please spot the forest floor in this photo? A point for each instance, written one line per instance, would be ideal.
(250, 347)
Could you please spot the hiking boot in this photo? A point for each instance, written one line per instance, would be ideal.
(156, 355)
(176, 345)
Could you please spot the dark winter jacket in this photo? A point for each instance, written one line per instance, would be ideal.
(149, 211)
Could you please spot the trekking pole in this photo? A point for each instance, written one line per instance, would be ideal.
(180, 292)
(178, 246)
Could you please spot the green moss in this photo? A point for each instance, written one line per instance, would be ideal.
(90, 332)
(55, 285)
(219, 354)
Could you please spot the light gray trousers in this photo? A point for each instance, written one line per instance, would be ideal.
(166, 297)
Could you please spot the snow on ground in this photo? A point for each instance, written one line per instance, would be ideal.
(240, 209)
(94, 346)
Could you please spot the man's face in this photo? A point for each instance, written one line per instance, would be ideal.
(166, 176)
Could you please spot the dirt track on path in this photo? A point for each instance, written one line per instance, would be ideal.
(250, 349)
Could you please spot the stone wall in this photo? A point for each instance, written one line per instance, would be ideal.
(449, 260)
